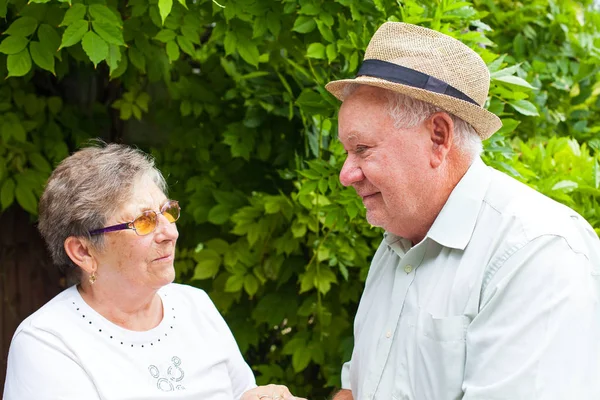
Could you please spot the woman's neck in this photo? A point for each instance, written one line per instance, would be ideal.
(125, 308)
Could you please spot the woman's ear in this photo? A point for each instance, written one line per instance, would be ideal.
(80, 252)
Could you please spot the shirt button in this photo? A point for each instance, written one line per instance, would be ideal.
(408, 269)
(388, 334)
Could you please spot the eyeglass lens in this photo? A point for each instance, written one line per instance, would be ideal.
(146, 223)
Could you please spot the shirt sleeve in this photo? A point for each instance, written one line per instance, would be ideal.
(537, 333)
(346, 375)
(31, 356)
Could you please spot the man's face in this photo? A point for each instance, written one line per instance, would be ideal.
(388, 167)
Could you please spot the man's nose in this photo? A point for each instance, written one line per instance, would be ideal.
(351, 172)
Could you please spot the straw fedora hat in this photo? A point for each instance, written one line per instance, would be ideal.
(428, 66)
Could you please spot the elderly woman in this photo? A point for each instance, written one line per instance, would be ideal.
(125, 331)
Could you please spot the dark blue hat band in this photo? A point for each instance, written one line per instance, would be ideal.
(410, 77)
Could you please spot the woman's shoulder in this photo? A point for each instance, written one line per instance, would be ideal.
(56, 307)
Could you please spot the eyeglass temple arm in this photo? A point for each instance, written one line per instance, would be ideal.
(119, 227)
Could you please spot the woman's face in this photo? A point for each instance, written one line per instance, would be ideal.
(138, 262)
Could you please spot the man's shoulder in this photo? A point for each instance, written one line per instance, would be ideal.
(518, 209)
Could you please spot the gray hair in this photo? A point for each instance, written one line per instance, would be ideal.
(407, 112)
(85, 189)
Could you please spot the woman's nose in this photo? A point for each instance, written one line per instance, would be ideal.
(167, 228)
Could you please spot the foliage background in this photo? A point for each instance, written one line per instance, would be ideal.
(229, 98)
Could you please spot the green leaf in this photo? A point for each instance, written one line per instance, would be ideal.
(95, 47)
(311, 102)
(172, 51)
(75, 13)
(191, 34)
(504, 72)
(26, 199)
(16, 130)
(304, 24)
(42, 56)
(565, 186)
(102, 13)
(122, 65)
(55, 104)
(206, 269)
(185, 108)
(251, 285)
(137, 59)
(316, 50)
(7, 193)
(273, 23)
(113, 58)
(234, 283)
(325, 277)
(186, 45)
(23, 26)
(74, 33)
(19, 64)
(137, 113)
(524, 107)
(165, 35)
(39, 162)
(300, 359)
(182, 2)
(13, 44)
(249, 52)
(125, 111)
(3, 8)
(514, 81)
(164, 7)
(110, 33)
(142, 101)
(48, 37)
(325, 31)
(219, 214)
(331, 52)
(230, 43)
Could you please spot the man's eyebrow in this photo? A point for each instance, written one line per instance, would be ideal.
(353, 137)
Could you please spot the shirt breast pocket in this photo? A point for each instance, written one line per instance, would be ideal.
(436, 356)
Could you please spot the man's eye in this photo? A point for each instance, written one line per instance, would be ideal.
(361, 149)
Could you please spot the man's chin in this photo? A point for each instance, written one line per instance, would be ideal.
(374, 219)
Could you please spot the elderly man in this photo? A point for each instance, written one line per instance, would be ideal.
(482, 288)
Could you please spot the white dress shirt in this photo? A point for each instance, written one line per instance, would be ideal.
(501, 300)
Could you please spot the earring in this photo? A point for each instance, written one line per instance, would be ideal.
(93, 278)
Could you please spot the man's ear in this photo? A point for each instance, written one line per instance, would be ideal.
(81, 253)
(441, 130)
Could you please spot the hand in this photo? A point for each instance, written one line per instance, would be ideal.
(269, 392)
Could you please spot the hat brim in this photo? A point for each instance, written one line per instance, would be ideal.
(484, 122)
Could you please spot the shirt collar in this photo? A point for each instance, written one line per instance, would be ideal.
(455, 223)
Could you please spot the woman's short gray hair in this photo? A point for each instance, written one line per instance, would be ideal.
(407, 112)
(85, 189)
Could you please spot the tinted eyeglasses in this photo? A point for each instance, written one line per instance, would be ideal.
(145, 223)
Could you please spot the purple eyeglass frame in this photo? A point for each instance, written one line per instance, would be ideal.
(129, 225)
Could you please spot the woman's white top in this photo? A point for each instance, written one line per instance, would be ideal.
(66, 350)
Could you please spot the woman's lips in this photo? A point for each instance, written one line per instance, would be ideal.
(168, 257)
